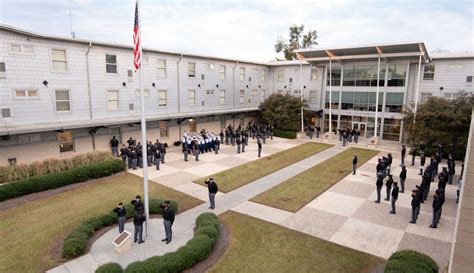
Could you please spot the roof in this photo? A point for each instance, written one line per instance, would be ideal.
(410, 50)
(281, 63)
(121, 46)
(452, 55)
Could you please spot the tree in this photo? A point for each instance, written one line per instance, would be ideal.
(297, 40)
(440, 121)
(282, 111)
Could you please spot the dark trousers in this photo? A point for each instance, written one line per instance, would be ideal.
(238, 148)
(402, 184)
(259, 152)
(414, 213)
(403, 160)
(148, 160)
(393, 205)
(157, 163)
(163, 157)
(243, 147)
(353, 168)
(115, 151)
(388, 193)
(216, 150)
(186, 153)
(124, 158)
(378, 194)
(212, 200)
(168, 231)
(435, 221)
(134, 163)
(121, 223)
(413, 160)
(138, 234)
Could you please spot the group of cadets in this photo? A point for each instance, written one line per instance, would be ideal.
(428, 175)
(348, 135)
(133, 154)
(310, 130)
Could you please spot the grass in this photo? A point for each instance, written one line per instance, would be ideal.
(236, 177)
(259, 246)
(301, 189)
(29, 233)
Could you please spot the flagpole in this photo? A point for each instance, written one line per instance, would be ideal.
(143, 128)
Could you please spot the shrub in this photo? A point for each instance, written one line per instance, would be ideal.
(76, 241)
(52, 165)
(408, 261)
(196, 250)
(56, 180)
(284, 134)
(110, 268)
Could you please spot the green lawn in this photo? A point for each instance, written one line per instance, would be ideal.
(259, 246)
(236, 177)
(299, 190)
(30, 233)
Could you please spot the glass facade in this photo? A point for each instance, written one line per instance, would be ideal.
(334, 123)
(365, 75)
(394, 102)
(334, 100)
(397, 74)
(358, 101)
(335, 76)
(391, 129)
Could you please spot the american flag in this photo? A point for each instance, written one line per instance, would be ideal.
(136, 41)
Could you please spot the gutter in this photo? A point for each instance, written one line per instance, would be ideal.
(89, 80)
(233, 84)
(179, 91)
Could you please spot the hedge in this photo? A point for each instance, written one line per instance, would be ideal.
(284, 134)
(110, 268)
(459, 154)
(56, 180)
(409, 261)
(76, 242)
(196, 250)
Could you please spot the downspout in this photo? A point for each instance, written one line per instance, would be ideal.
(179, 91)
(89, 93)
(233, 90)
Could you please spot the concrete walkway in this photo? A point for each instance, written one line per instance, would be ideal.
(345, 214)
(102, 249)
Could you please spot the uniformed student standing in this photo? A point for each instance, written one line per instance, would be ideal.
(388, 185)
(354, 165)
(168, 220)
(415, 206)
(121, 213)
(394, 197)
(138, 220)
(379, 185)
(436, 207)
(403, 177)
(114, 143)
(213, 189)
(259, 143)
(403, 153)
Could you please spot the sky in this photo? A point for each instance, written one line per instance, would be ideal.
(247, 30)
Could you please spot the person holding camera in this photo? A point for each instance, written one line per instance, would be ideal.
(168, 220)
(137, 203)
(121, 212)
(138, 220)
(213, 189)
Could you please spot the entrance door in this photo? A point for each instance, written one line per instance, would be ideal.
(192, 125)
(361, 126)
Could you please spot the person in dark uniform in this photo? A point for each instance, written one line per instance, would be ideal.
(149, 154)
(394, 197)
(131, 142)
(402, 154)
(436, 208)
(388, 186)
(123, 153)
(217, 145)
(137, 203)
(114, 143)
(134, 155)
(157, 155)
(238, 140)
(138, 220)
(213, 189)
(168, 220)
(163, 152)
(415, 207)
(185, 150)
(354, 165)
(121, 216)
(422, 163)
(403, 177)
(259, 144)
(413, 155)
(379, 185)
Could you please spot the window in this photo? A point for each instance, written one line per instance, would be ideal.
(59, 59)
(397, 75)
(23, 93)
(210, 92)
(222, 72)
(314, 74)
(242, 96)
(451, 96)
(391, 129)
(365, 75)
(468, 78)
(203, 76)
(250, 79)
(312, 96)
(62, 100)
(162, 98)
(242, 73)
(112, 100)
(22, 49)
(428, 73)
(12, 161)
(222, 96)
(210, 66)
(394, 102)
(254, 92)
(66, 142)
(3, 70)
(131, 107)
(130, 75)
(146, 92)
(111, 64)
(335, 76)
(164, 129)
(281, 75)
(264, 75)
(192, 97)
(191, 70)
(222, 121)
(6, 113)
(425, 97)
(263, 95)
(161, 68)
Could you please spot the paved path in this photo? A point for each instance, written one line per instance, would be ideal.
(102, 250)
(345, 214)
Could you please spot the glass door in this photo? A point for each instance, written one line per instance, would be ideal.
(361, 126)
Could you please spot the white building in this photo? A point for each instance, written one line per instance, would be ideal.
(61, 96)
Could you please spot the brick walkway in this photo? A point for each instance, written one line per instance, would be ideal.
(345, 214)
